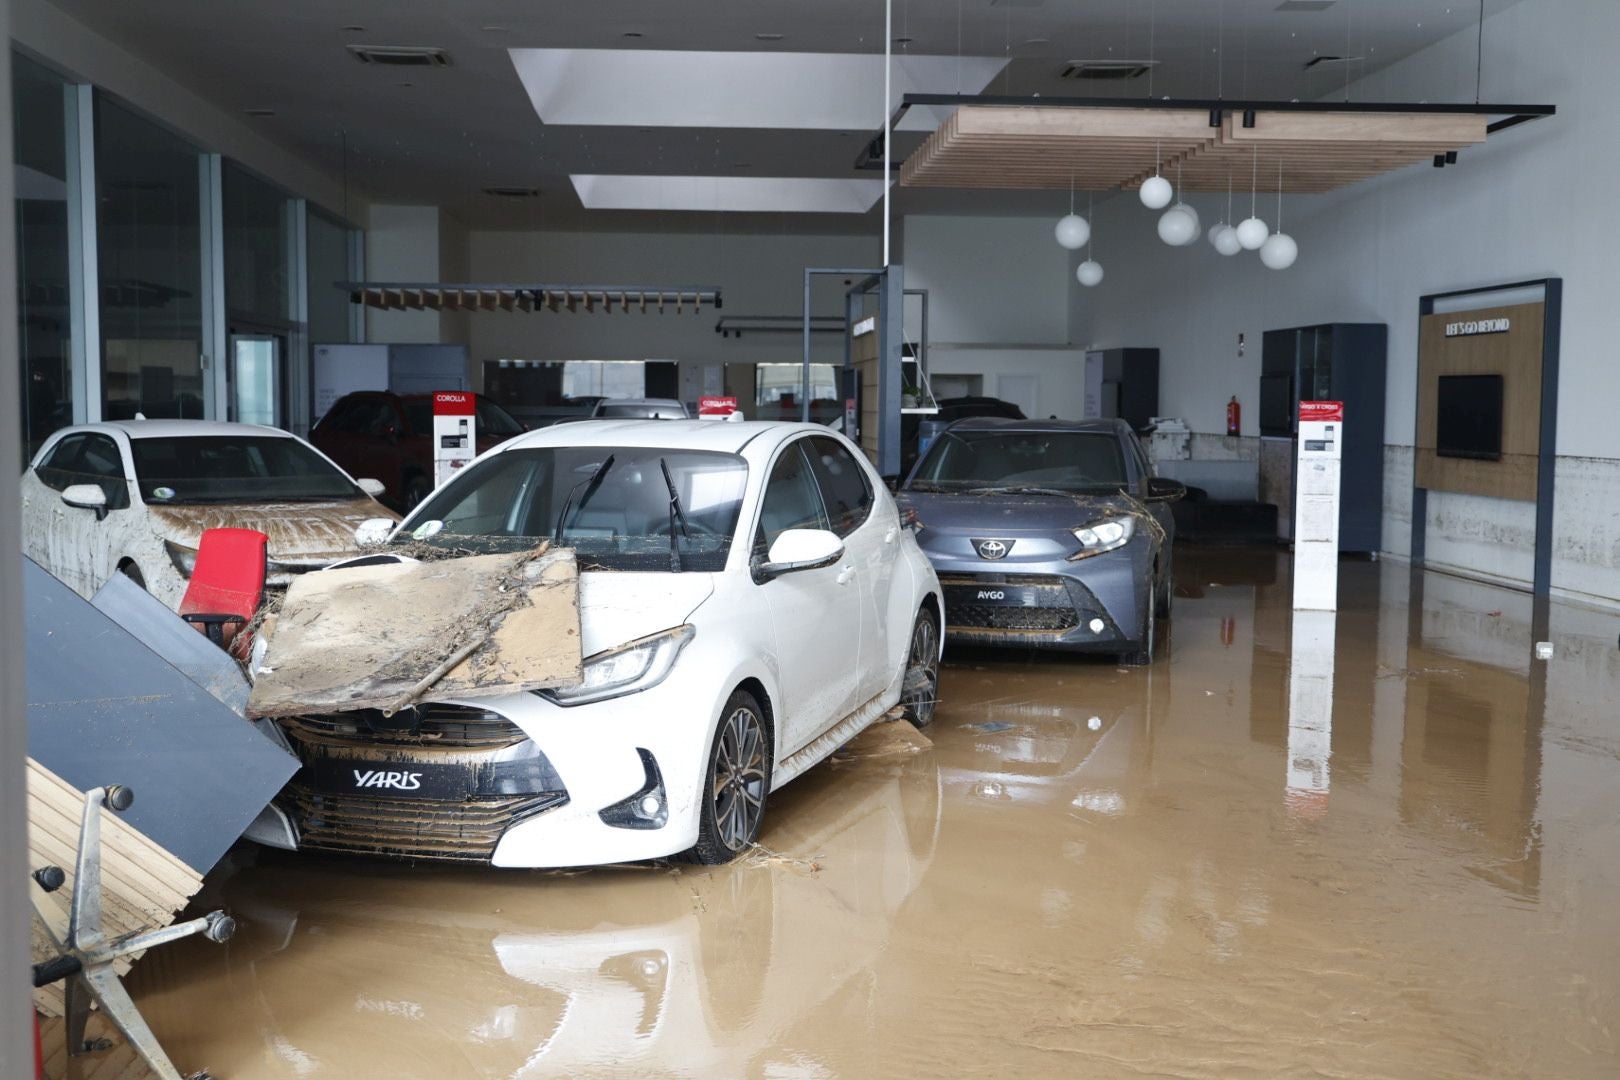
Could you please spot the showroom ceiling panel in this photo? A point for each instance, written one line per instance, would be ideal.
(733, 194)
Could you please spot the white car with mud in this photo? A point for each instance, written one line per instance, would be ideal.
(135, 496)
(750, 600)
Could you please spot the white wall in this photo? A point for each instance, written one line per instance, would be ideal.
(760, 274)
(402, 245)
(80, 52)
(1531, 203)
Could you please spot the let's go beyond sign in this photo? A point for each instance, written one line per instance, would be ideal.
(1478, 326)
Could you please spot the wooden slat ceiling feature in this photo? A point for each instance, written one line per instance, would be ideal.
(1043, 147)
(530, 298)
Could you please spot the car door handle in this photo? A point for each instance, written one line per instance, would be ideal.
(844, 574)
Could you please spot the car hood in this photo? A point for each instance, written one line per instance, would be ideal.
(1012, 515)
(294, 529)
(616, 607)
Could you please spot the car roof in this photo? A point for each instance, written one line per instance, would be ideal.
(169, 429)
(728, 437)
(641, 401)
(1000, 423)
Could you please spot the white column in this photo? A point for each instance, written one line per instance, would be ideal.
(84, 278)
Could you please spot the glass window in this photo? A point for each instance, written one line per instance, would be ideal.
(235, 469)
(38, 102)
(843, 484)
(257, 233)
(791, 500)
(328, 246)
(88, 459)
(610, 504)
(492, 421)
(1062, 460)
(149, 194)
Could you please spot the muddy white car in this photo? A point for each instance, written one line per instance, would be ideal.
(134, 497)
(750, 600)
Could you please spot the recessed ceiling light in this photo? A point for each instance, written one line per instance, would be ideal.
(741, 165)
(501, 192)
(493, 29)
(354, 29)
(260, 112)
(767, 37)
(1036, 41)
(904, 40)
(631, 34)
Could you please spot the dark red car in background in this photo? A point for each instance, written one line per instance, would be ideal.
(390, 437)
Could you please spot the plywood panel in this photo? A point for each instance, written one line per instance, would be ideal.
(1046, 147)
(1516, 356)
(143, 886)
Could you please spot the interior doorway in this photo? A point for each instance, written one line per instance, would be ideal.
(257, 380)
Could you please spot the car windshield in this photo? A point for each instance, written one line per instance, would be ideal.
(998, 460)
(235, 469)
(611, 504)
(642, 410)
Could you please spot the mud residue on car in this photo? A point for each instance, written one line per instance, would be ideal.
(292, 528)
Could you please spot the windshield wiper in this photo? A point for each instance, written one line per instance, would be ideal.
(1017, 489)
(590, 485)
(676, 515)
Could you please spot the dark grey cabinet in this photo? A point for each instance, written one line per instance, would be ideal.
(1130, 385)
(1334, 362)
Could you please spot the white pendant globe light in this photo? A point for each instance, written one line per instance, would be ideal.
(1178, 227)
(1089, 273)
(1198, 225)
(1226, 240)
(1252, 233)
(1156, 193)
(1279, 251)
(1072, 231)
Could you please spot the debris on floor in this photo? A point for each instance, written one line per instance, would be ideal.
(759, 856)
(885, 738)
(384, 635)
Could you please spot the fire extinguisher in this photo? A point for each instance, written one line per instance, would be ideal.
(1234, 417)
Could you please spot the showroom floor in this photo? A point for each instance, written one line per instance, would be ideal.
(1091, 872)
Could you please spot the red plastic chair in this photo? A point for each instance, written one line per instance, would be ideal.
(227, 585)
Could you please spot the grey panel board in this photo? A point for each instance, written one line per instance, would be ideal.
(149, 620)
(103, 708)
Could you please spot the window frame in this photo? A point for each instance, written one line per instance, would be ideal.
(868, 494)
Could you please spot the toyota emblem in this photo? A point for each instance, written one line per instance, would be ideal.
(992, 549)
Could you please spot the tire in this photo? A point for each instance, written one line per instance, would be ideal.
(919, 689)
(739, 767)
(417, 488)
(1142, 656)
(1167, 594)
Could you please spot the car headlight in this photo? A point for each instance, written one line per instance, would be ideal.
(184, 558)
(632, 667)
(1101, 536)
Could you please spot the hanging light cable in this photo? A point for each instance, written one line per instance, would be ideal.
(1223, 236)
(1155, 191)
(1090, 272)
(1252, 233)
(1279, 251)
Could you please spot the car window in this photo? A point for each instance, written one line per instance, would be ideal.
(791, 501)
(967, 460)
(495, 421)
(344, 416)
(235, 469)
(418, 417)
(844, 487)
(87, 459)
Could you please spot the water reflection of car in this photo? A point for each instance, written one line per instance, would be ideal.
(749, 601)
(1047, 533)
(135, 496)
(390, 436)
(607, 973)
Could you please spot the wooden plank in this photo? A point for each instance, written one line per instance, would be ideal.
(143, 886)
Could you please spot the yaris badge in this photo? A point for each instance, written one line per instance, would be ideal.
(992, 549)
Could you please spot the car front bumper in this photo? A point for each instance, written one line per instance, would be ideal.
(1097, 604)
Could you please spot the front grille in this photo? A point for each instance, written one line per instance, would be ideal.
(415, 828)
(990, 617)
(426, 725)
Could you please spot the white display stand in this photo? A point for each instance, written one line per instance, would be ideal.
(455, 434)
(1316, 506)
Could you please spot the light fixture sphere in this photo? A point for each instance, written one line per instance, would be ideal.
(1226, 240)
(1252, 234)
(1197, 225)
(1177, 226)
(1072, 231)
(1279, 251)
(1156, 193)
(1089, 273)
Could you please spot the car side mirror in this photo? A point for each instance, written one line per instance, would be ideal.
(371, 487)
(374, 531)
(86, 497)
(1164, 489)
(801, 549)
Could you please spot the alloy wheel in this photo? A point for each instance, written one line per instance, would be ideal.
(920, 692)
(738, 779)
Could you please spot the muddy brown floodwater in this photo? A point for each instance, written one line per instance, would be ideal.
(1395, 854)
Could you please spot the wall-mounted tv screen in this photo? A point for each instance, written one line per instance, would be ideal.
(1469, 417)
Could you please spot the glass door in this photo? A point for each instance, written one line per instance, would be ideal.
(256, 380)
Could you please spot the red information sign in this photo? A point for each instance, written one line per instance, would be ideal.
(1326, 411)
(716, 406)
(454, 403)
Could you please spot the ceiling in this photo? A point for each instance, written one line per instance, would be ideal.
(442, 135)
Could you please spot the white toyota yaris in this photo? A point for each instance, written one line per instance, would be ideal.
(750, 600)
